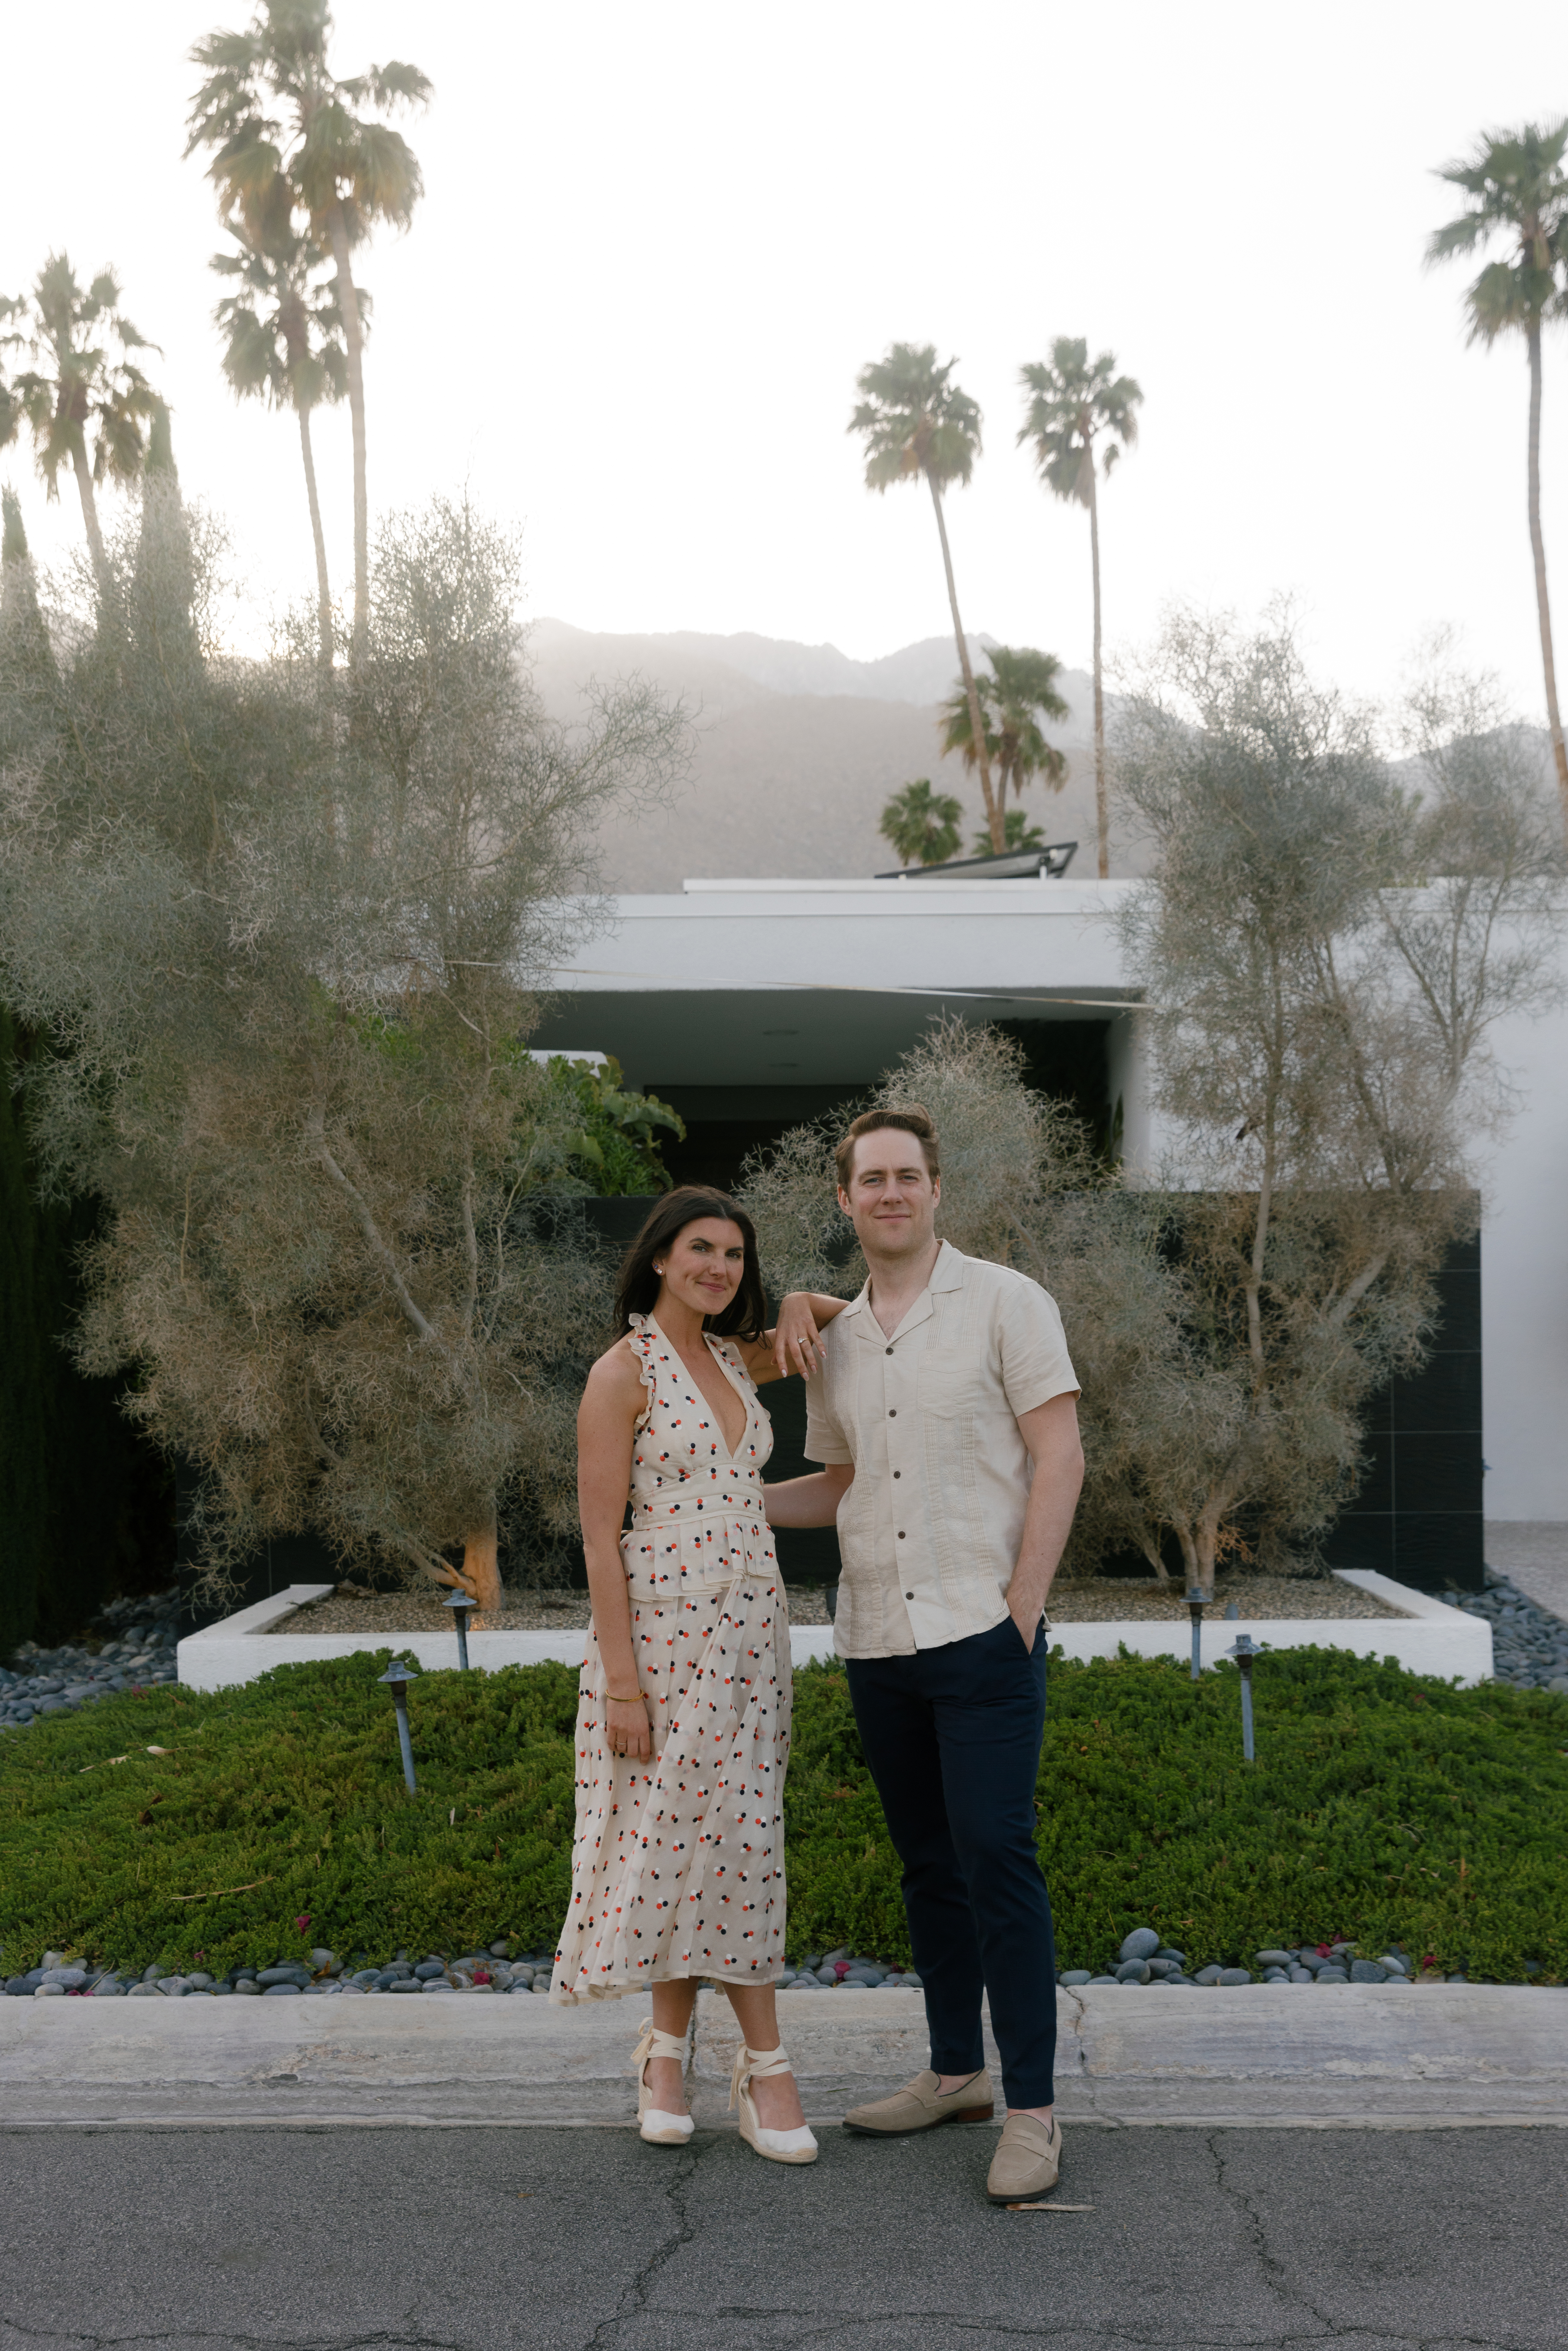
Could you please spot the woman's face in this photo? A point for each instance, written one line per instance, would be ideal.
(702, 1265)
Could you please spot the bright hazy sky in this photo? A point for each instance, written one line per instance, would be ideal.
(658, 241)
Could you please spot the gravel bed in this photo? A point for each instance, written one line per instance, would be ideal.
(525, 1611)
(132, 1647)
(1096, 1599)
(1091, 1600)
(1530, 1645)
(1142, 1962)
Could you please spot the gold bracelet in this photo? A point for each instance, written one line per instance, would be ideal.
(635, 1699)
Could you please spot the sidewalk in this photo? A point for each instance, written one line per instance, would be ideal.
(1379, 2055)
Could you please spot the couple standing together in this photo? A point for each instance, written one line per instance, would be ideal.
(942, 1403)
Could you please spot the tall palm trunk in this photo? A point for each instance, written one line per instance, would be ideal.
(323, 590)
(90, 515)
(1538, 548)
(977, 725)
(354, 347)
(1102, 810)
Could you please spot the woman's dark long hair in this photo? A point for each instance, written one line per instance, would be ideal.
(637, 1291)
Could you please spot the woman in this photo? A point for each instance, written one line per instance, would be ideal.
(683, 1725)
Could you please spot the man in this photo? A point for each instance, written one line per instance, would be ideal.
(947, 1415)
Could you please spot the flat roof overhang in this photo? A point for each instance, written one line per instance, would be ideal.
(805, 983)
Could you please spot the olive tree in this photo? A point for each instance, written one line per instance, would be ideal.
(290, 959)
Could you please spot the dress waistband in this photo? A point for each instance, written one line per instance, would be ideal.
(699, 1510)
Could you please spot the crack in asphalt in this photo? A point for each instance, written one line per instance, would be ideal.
(634, 2298)
(183, 2338)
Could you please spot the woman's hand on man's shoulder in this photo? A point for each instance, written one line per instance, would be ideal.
(794, 1343)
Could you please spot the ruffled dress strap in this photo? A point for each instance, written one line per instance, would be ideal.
(733, 1357)
(642, 1337)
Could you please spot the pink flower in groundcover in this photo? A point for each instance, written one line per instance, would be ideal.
(300, 1923)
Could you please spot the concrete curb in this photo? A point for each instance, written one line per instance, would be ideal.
(1356, 2055)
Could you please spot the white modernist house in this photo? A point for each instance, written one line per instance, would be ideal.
(752, 1003)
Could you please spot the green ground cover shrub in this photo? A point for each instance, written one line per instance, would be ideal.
(1384, 1806)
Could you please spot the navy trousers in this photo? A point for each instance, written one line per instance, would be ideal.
(952, 1736)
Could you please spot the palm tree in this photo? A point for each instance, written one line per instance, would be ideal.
(921, 825)
(1516, 186)
(1073, 405)
(270, 106)
(1021, 688)
(284, 345)
(1018, 833)
(78, 385)
(913, 423)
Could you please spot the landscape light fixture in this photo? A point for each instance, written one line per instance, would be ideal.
(397, 1678)
(1244, 1654)
(462, 1607)
(1195, 1603)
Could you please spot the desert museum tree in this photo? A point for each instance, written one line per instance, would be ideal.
(288, 967)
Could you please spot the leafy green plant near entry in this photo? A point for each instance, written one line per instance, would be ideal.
(1384, 1806)
(614, 1148)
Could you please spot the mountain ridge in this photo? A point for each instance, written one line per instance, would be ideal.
(798, 748)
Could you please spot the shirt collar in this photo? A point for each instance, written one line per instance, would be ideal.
(948, 1273)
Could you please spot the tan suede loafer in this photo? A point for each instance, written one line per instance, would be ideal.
(920, 2106)
(1028, 2160)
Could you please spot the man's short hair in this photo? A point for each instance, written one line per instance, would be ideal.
(912, 1118)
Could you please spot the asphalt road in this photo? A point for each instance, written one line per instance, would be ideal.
(331, 2239)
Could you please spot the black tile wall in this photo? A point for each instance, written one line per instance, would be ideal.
(1420, 1512)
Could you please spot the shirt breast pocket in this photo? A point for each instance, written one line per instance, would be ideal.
(948, 1391)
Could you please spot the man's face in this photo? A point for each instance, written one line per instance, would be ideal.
(891, 1197)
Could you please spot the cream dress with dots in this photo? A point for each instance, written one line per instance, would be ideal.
(677, 1867)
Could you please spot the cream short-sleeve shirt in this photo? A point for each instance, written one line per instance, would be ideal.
(930, 1529)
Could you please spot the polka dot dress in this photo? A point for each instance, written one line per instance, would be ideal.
(677, 1865)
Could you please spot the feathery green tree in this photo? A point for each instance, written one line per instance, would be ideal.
(79, 385)
(1073, 404)
(271, 107)
(922, 824)
(915, 424)
(283, 342)
(286, 974)
(1517, 188)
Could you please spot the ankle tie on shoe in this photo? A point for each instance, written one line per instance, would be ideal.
(756, 2065)
(655, 2044)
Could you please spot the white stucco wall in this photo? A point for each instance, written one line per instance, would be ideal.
(747, 983)
(1524, 1279)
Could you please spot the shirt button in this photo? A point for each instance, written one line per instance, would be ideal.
(898, 1473)
(887, 1351)
(901, 1534)
(892, 1413)
(909, 1595)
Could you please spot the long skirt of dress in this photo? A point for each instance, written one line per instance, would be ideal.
(678, 1862)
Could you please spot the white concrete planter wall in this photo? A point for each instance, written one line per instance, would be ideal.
(1428, 1637)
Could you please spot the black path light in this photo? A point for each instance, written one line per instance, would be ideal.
(397, 1678)
(1195, 1602)
(462, 1607)
(1244, 1654)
